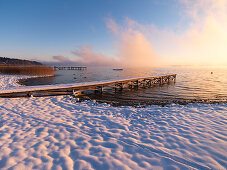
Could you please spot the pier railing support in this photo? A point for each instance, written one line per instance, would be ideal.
(100, 89)
(76, 92)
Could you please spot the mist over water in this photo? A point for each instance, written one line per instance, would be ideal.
(192, 85)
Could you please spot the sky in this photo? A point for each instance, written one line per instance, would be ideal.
(133, 33)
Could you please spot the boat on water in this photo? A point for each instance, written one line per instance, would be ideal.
(118, 69)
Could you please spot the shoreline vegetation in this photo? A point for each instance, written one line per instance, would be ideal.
(26, 70)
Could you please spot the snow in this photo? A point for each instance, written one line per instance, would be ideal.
(60, 133)
(8, 82)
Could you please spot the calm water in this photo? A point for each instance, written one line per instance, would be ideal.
(192, 85)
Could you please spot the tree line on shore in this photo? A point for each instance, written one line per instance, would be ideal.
(24, 67)
(14, 61)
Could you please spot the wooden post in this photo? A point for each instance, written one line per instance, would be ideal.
(115, 88)
(137, 83)
(161, 81)
(148, 82)
(101, 89)
(77, 93)
(120, 86)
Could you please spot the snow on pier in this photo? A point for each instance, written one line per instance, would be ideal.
(78, 88)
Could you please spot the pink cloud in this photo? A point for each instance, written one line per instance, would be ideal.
(133, 48)
(61, 58)
(87, 56)
(112, 26)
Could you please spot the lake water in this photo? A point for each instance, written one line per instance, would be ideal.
(192, 85)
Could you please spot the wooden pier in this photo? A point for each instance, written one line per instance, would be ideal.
(69, 68)
(98, 86)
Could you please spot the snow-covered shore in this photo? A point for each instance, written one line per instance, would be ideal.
(60, 133)
(7, 81)
(10, 81)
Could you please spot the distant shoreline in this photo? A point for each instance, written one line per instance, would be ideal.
(26, 70)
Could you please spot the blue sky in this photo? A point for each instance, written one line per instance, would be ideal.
(30, 28)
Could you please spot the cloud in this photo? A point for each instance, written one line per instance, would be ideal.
(133, 49)
(86, 56)
(202, 42)
(61, 59)
(112, 25)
